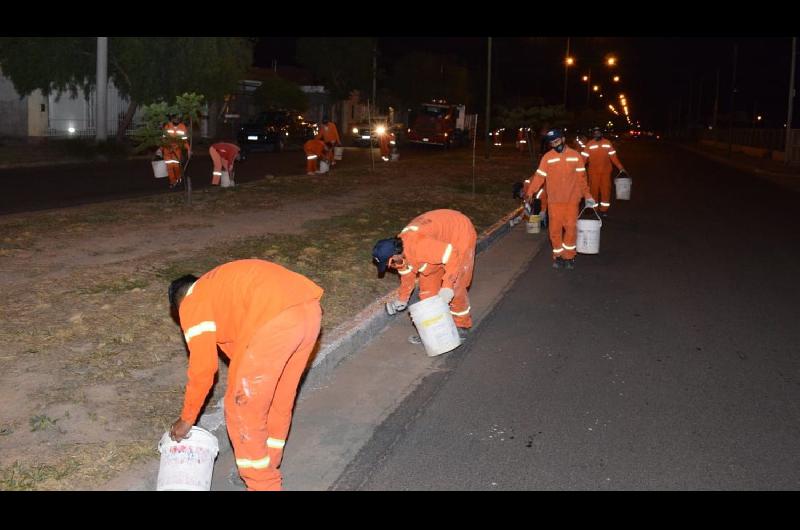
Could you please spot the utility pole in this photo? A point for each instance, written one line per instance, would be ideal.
(716, 108)
(733, 94)
(566, 72)
(788, 149)
(374, 74)
(488, 93)
(101, 90)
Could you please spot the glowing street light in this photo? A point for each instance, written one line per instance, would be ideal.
(759, 118)
(611, 61)
(585, 78)
(570, 61)
(616, 79)
(595, 88)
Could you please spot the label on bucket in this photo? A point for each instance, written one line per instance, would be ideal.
(431, 321)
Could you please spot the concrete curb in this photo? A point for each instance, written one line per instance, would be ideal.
(737, 165)
(349, 337)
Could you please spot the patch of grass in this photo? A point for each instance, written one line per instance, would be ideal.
(119, 286)
(42, 422)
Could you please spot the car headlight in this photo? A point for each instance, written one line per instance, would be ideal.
(381, 129)
(355, 130)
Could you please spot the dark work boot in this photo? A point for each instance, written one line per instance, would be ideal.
(558, 263)
(569, 264)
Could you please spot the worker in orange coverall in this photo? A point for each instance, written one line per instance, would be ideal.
(439, 248)
(599, 154)
(329, 134)
(266, 319)
(522, 140)
(562, 173)
(388, 142)
(177, 138)
(315, 150)
(223, 156)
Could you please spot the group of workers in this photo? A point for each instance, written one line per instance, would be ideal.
(266, 319)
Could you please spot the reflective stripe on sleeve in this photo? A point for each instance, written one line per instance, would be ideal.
(191, 288)
(584, 153)
(409, 227)
(572, 159)
(594, 147)
(447, 252)
(539, 193)
(202, 327)
(606, 146)
(423, 267)
(542, 173)
(554, 160)
(580, 169)
(405, 271)
(612, 152)
(605, 204)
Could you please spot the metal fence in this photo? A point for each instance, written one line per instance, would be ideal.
(773, 139)
(69, 116)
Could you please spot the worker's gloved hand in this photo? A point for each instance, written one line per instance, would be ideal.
(446, 294)
(590, 203)
(395, 307)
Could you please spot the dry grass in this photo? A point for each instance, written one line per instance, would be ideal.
(109, 328)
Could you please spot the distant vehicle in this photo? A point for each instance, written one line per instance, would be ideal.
(273, 130)
(361, 134)
(440, 123)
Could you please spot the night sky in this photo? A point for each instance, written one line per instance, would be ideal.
(657, 74)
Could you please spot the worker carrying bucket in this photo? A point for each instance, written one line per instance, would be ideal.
(563, 176)
(438, 247)
(266, 320)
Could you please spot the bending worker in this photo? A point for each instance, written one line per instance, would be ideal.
(315, 150)
(563, 176)
(329, 134)
(266, 319)
(223, 155)
(439, 248)
(600, 154)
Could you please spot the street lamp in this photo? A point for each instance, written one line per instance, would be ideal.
(611, 61)
(595, 88)
(570, 61)
(585, 78)
(616, 79)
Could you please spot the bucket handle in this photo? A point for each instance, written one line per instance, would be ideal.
(593, 210)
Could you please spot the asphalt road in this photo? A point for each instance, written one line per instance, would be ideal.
(669, 361)
(40, 188)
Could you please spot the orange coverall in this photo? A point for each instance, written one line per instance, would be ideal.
(522, 141)
(315, 149)
(330, 135)
(387, 141)
(600, 154)
(172, 152)
(266, 319)
(223, 155)
(563, 176)
(439, 247)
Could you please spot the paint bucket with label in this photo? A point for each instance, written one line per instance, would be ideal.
(187, 465)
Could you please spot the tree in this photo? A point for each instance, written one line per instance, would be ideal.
(342, 64)
(145, 69)
(277, 92)
(420, 76)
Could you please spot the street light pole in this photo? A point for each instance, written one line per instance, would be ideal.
(101, 90)
(733, 95)
(488, 93)
(787, 150)
(566, 72)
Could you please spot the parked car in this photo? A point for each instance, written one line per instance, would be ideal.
(361, 134)
(274, 130)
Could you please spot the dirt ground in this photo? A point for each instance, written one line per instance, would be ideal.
(92, 368)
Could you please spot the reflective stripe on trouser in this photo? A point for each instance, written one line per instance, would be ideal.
(219, 165)
(173, 170)
(563, 229)
(262, 385)
(600, 188)
(430, 285)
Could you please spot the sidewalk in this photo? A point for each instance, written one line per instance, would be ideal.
(764, 167)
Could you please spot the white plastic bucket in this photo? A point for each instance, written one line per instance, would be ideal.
(323, 166)
(187, 465)
(623, 188)
(159, 169)
(225, 180)
(533, 226)
(435, 325)
(589, 234)
(338, 152)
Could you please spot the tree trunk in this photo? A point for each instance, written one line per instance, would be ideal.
(126, 121)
